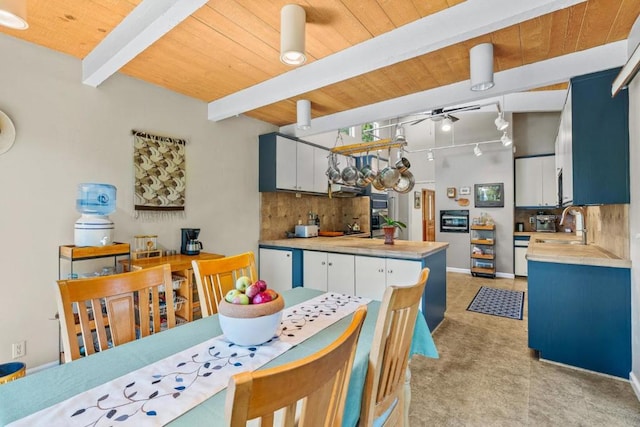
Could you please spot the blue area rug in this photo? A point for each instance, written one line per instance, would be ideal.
(498, 302)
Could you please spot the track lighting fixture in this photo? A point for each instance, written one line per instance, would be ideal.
(292, 21)
(477, 151)
(506, 141)
(501, 123)
(446, 124)
(430, 155)
(304, 114)
(399, 135)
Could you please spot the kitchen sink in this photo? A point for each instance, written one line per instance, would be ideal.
(560, 242)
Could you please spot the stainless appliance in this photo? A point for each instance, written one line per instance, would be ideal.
(546, 223)
(306, 231)
(379, 208)
(190, 244)
(454, 221)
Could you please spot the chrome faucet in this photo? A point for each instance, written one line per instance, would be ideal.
(581, 211)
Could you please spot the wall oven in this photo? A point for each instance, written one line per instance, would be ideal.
(379, 207)
(454, 221)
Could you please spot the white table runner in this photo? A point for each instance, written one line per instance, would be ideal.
(158, 393)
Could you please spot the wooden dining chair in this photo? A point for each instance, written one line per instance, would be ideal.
(216, 277)
(385, 397)
(130, 305)
(318, 382)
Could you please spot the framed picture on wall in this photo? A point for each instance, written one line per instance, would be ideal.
(465, 191)
(417, 197)
(451, 192)
(489, 195)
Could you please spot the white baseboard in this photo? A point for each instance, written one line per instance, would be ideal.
(635, 384)
(577, 368)
(42, 367)
(458, 270)
(468, 271)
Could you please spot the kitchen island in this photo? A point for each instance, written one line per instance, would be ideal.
(579, 304)
(358, 266)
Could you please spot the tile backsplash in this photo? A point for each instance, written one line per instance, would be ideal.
(280, 212)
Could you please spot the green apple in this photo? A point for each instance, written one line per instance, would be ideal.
(240, 298)
(229, 297)
(242, 283)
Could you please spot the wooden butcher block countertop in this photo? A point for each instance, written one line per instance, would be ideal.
(358, 246)
(556, 248)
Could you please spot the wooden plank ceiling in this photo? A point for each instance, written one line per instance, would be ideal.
(230, 45)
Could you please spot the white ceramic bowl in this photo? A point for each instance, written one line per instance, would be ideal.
(252, 324)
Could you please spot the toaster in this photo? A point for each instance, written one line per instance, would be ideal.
(306, 231)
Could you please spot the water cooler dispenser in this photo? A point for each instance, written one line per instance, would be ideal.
(95, 202)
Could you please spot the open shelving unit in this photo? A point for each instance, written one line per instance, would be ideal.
(483, 253)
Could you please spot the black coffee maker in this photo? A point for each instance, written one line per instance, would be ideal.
(190, 243)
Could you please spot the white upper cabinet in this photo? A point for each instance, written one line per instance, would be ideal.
(286, 163)
(291, 165)
(320, 166)
(304, 167)
(536, 181)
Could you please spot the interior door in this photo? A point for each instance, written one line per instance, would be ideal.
(428, 215)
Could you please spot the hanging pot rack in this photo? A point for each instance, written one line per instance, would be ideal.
(363, 147)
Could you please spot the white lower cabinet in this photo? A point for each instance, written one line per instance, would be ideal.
(276, 268)
(329, 272)
(373, 275)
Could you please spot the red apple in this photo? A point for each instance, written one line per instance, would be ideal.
(253, 290)
(262, 284)
(261, 298)
(272, 293)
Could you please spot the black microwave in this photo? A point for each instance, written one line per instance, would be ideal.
(454, 221)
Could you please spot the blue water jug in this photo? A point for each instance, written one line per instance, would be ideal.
(97, 199)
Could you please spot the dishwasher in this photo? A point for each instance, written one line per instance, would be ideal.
(520, 246)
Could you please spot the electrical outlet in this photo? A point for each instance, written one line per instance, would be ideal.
(19, 349)
(532, 219)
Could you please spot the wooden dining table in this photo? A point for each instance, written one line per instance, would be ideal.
(48, 387)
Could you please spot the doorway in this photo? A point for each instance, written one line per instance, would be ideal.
(428, 215)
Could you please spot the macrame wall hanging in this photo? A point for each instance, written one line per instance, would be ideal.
(160, 176)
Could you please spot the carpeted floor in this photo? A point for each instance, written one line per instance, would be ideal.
(487, 376)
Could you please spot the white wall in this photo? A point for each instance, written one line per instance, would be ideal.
(459, 167)
(68, 133)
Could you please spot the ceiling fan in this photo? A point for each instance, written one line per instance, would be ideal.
(439, 114)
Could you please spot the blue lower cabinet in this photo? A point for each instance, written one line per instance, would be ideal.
(434, 298)
(580, 315)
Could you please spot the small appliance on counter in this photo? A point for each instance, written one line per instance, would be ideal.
(190, 243)
(95, 202)
(306, 231)
(546, 223)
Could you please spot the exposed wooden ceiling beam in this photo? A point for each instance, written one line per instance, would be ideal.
(462, 22)
(149, 21)
(551, 71)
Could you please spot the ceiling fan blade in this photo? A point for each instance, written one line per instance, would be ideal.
(418, 121)
(453, 118)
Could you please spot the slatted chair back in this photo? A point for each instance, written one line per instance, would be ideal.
(389, 356)
(318, 382)
(99, 312)
(216, 277)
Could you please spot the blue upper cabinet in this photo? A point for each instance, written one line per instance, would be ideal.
(599, 142)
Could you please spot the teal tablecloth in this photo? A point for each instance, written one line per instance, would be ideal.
(48, 387)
